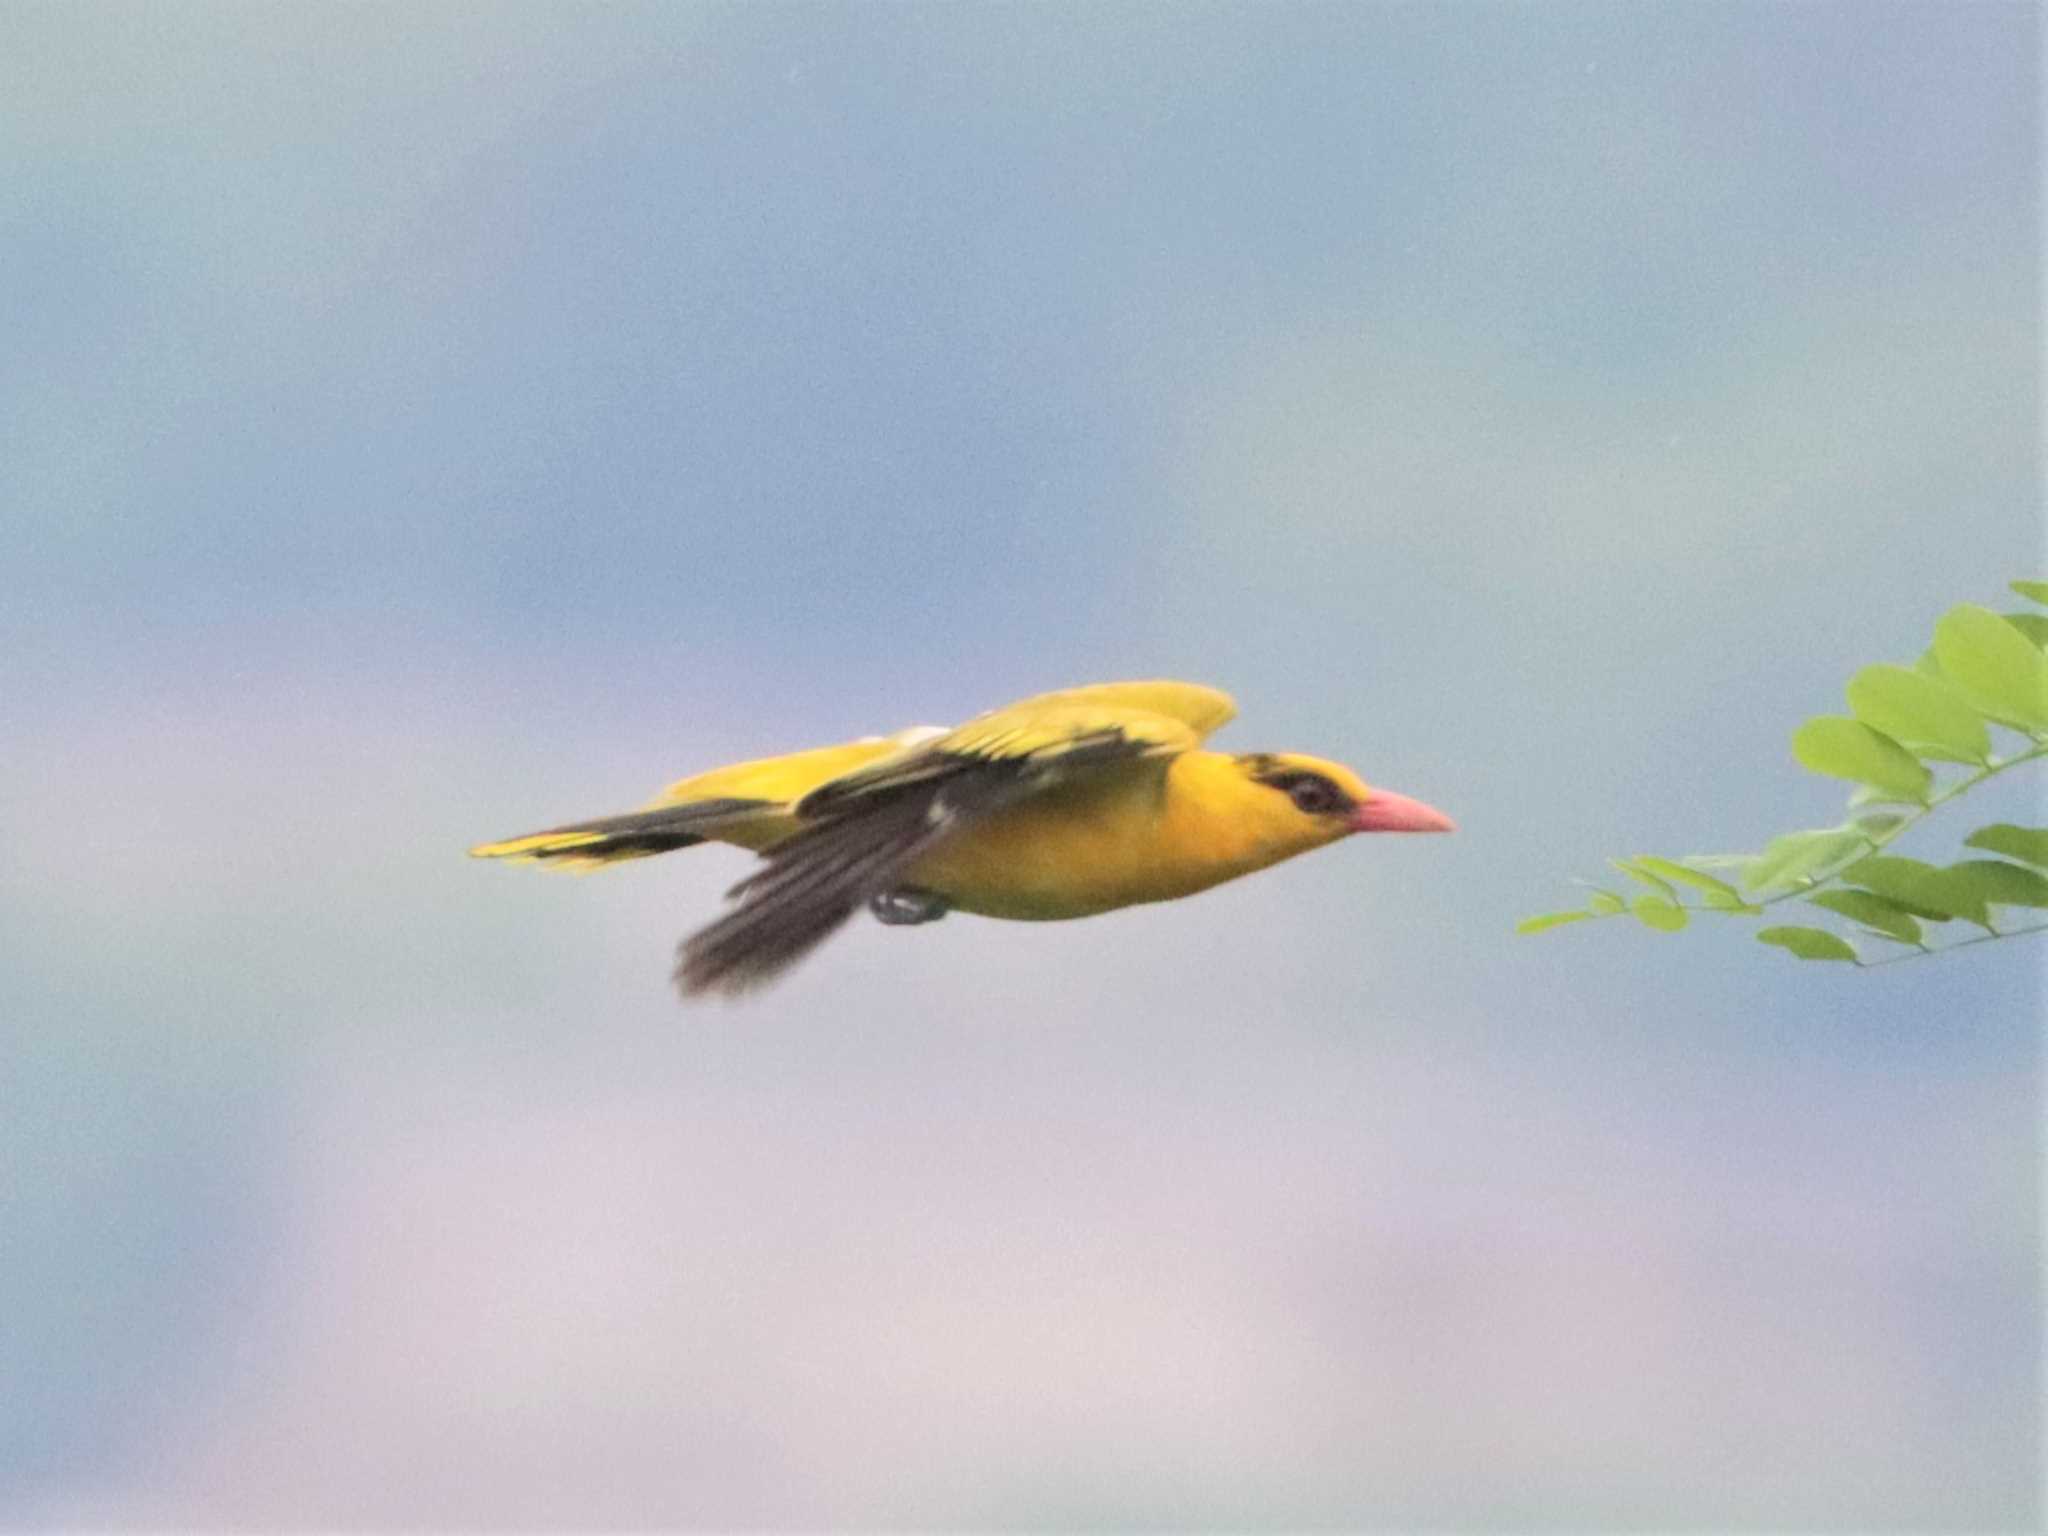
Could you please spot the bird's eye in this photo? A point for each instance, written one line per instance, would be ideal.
(1314, 795)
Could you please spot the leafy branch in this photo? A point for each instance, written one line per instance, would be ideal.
(1907, 727)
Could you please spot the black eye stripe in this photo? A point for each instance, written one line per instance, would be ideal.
(1293, 781)
(1311, 792)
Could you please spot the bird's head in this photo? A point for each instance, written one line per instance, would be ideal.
(1311, 801)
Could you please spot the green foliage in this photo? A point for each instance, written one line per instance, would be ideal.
(1915, 739)
(2028, 844)
(1874, 912)
(1718, 894)
(1997, 668)
(1998, 883)
(1550, 920)
(1796, 858)
(1918, 888)
(1659, 912)
(2032, 625)
(1923, 713)
(1849, 749)
(1810, 943)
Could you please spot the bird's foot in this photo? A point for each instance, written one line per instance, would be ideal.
(907, 905)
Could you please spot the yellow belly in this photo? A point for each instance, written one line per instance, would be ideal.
(1111, 842)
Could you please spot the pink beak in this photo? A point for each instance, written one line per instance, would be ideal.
(1385, 811)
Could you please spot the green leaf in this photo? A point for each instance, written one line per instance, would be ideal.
(2006, 885)
(1657, 912)
(1926, 714)
(1873, 911)
(1878, 823)
(1866, 794)
(2029, 844)
(1809, 943)
(1920, 888)
(2037, 591)
(1550, 920)
(1606, 904)
(2032, 625)
(1998, 669)
(1927, 664)
(1849, 749)
(1796, 856)
(1718, 893)
(1634, 869)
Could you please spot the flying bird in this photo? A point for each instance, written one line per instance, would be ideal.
(1062, 805)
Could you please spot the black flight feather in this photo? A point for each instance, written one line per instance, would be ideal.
(810, 885)
(861, 841)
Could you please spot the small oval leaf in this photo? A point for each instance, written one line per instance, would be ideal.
(2000, 883)
(1849, 749)
(2029, 844)
(2037, 591)
(1809, 943)
(1634, 869)
(1659, 913)
(1924, 713)
(1550, 920)
(1998, 669)
(1881, 823)
(1873, 911)
(2033, 625)
(1719, 893)
(1797, 856)
(1866, 794)
(1606, 904)
(1921, 889)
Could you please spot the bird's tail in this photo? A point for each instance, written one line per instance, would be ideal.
(586, 845)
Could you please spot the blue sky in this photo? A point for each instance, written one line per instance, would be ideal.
(418, 426)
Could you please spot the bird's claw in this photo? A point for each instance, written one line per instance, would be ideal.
(907, 906)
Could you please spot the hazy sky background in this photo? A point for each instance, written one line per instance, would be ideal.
(420, 424)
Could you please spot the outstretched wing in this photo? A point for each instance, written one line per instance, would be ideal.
(1202, 710)
(1036, 740)
(868, 826)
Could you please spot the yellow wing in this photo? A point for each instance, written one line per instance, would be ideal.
(1046, 737)
(782, 781)
(1202, 710)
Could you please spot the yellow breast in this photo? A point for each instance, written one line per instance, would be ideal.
(1150, 832)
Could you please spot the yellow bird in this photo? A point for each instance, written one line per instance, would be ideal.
(1062, 805)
